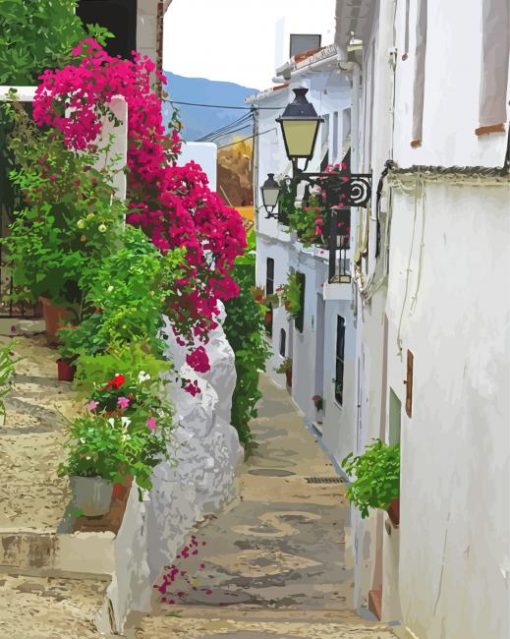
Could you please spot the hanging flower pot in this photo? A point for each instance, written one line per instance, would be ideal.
(91, 495)
(65, 369)
(54, 317)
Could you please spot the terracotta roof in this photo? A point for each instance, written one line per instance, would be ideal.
(303, 55)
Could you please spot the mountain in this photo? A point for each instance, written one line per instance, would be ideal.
(199, 121)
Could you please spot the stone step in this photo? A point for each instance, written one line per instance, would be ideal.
(215, 626)
(42, 553)
(50, 608)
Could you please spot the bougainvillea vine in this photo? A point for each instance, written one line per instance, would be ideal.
(172, 204)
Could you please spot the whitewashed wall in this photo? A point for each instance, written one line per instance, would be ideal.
(207, 450)
(452, 81)
(455, 502)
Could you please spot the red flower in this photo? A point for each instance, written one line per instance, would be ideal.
(116, 382)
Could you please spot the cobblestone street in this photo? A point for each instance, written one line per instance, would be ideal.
(272, 565)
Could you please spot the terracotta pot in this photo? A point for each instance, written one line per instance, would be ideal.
(54, 318)
(120, 489)
(288, 375)
(65, 369)
(394, 512)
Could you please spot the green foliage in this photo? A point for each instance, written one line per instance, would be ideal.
(7, 368)
(244, 328)
(71, 218)
(286, 202)
(129, 291)
(290, 293)
(95, 449)
(377, 473)
(285, 366)
(39, 34)
(125, 361)
(135, 435)
(309, 221)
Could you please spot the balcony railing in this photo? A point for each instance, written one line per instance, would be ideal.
(339, 271)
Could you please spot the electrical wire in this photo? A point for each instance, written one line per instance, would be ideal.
(216, 132)
(232, 131)
(250, 137)
(224, 106)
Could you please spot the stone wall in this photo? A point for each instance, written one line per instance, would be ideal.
(206, 450)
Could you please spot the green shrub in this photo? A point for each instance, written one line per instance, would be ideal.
(377, 473)
(244, 328)
(39, 34)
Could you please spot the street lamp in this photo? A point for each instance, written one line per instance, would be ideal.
(270, 193)
(300, 125)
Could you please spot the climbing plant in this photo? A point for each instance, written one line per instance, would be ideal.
(244, 328)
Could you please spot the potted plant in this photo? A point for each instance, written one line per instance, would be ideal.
(286, 368)
(377, 479)
(69, 219)
(258, 294)
(290, 293)
(66, 363)
(318, 402)
(137, 400)
(96, 458)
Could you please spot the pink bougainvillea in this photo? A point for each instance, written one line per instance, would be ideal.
(173, 205)
(198, 360)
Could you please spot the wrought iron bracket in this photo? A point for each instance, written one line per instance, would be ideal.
(342, 189)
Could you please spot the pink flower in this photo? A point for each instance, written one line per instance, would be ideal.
(123, 402)
(173, 204)
(151, 423)
(198, 360)
(92, 405)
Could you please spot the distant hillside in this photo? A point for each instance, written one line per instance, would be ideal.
(199, 121)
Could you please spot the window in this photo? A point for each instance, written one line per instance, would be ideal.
(269, 276)
(301, 42)
(283, 339)
(495, 53)
(300, 318)
(339, 363)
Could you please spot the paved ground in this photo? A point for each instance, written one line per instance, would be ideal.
(31, 494)
(272, 565)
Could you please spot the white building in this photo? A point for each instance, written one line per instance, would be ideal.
(321, 343)
(433, 310)
(426, 347)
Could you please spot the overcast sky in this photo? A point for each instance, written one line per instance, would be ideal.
(236, 40)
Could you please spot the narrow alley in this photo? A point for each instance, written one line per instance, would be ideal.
(271, 565)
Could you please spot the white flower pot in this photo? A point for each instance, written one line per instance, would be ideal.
(91, 495)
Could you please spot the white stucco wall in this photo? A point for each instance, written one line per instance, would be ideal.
(455, 494)
(206, 450)
(452, 82)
